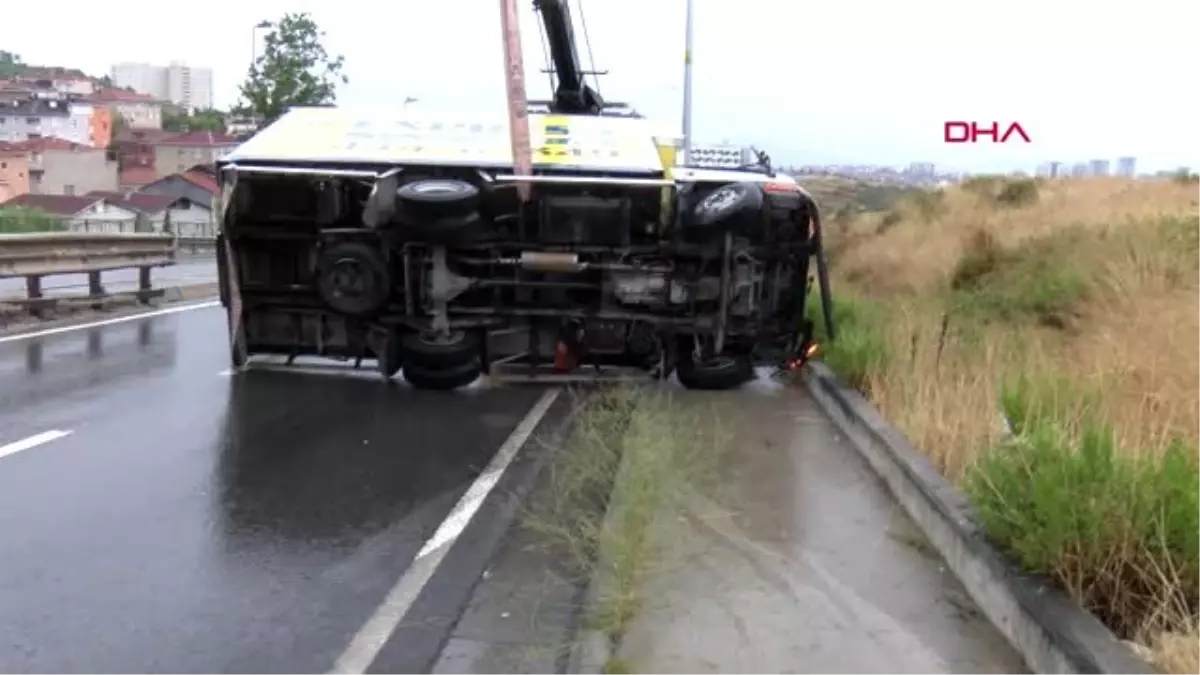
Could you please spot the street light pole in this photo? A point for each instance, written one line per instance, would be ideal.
(687, 89)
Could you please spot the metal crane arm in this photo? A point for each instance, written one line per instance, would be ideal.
(572, 95)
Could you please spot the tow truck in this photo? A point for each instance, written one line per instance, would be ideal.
(425, 245)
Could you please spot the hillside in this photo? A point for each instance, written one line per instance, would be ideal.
(1038, 339)
(843, 197)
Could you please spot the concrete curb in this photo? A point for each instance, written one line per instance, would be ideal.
(1048, 629)
(592, 649)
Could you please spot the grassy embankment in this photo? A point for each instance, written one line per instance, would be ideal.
(1066, 311)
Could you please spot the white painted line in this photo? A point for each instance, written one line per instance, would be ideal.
(109, 322)
(32, 442)
(369, 639)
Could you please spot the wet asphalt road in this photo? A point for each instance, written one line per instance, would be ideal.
(197, 270)
(191, 521)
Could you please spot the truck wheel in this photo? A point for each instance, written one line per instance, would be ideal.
(443, 379)
(726, 371)
(353, 278)
(429, 350)
(447, 230)
(736, 207)
(436, 198)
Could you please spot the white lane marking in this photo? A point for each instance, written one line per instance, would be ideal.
(369, 639)
(109, 322)
(32, 442)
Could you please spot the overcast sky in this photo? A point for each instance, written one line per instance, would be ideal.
(866, 81)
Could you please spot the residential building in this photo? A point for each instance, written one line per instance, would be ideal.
(159, 213)
(140, 111)
(14, 174)
(1079, 170)
(59, 80)
(1099, 167)
(36, 117)
(58, 166)
(181, 152)
(1127, 167)
(188, 86)
(133, 150)
(198, 184)
(80, 213)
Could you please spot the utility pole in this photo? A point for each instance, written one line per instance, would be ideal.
(518, 106)
(687, 89)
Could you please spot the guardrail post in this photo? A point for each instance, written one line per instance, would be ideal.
(33, 290)
(95, 289)
(144, 285)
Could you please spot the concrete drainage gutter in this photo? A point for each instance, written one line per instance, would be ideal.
(1051, 632)
(592, 648)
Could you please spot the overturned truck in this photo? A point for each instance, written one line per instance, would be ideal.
(412, 243)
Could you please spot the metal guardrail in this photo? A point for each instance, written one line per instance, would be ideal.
(196, 245)
(43, 254)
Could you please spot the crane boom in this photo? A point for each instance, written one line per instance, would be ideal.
(572, 95)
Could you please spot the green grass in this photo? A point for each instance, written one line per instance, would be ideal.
(634, 455)
(1119, 528)
(1036, 280)
(861, 347)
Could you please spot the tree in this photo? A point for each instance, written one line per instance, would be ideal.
(10, 64)
(119, 124)
(16, 219)
(200, 120)
(294, 69)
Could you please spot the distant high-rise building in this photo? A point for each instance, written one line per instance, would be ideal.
(922, 169)
(1099, 167)
(1127, 167)
(1080, 170)
(179, 83)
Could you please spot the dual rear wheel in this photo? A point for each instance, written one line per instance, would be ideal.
(430, 361)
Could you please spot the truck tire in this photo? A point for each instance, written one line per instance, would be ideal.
(443, 379)
(723, 372)
(432, 199)
(427, 351)
(736, 207)
(353, 278)
(448, 230)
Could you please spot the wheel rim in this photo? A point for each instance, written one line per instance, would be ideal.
(434, 186)
(720, 200)
(350, 278)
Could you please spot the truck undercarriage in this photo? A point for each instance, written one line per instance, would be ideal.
(418, 243)
(415, 268)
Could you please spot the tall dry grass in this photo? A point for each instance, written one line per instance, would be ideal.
(1096, 282)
